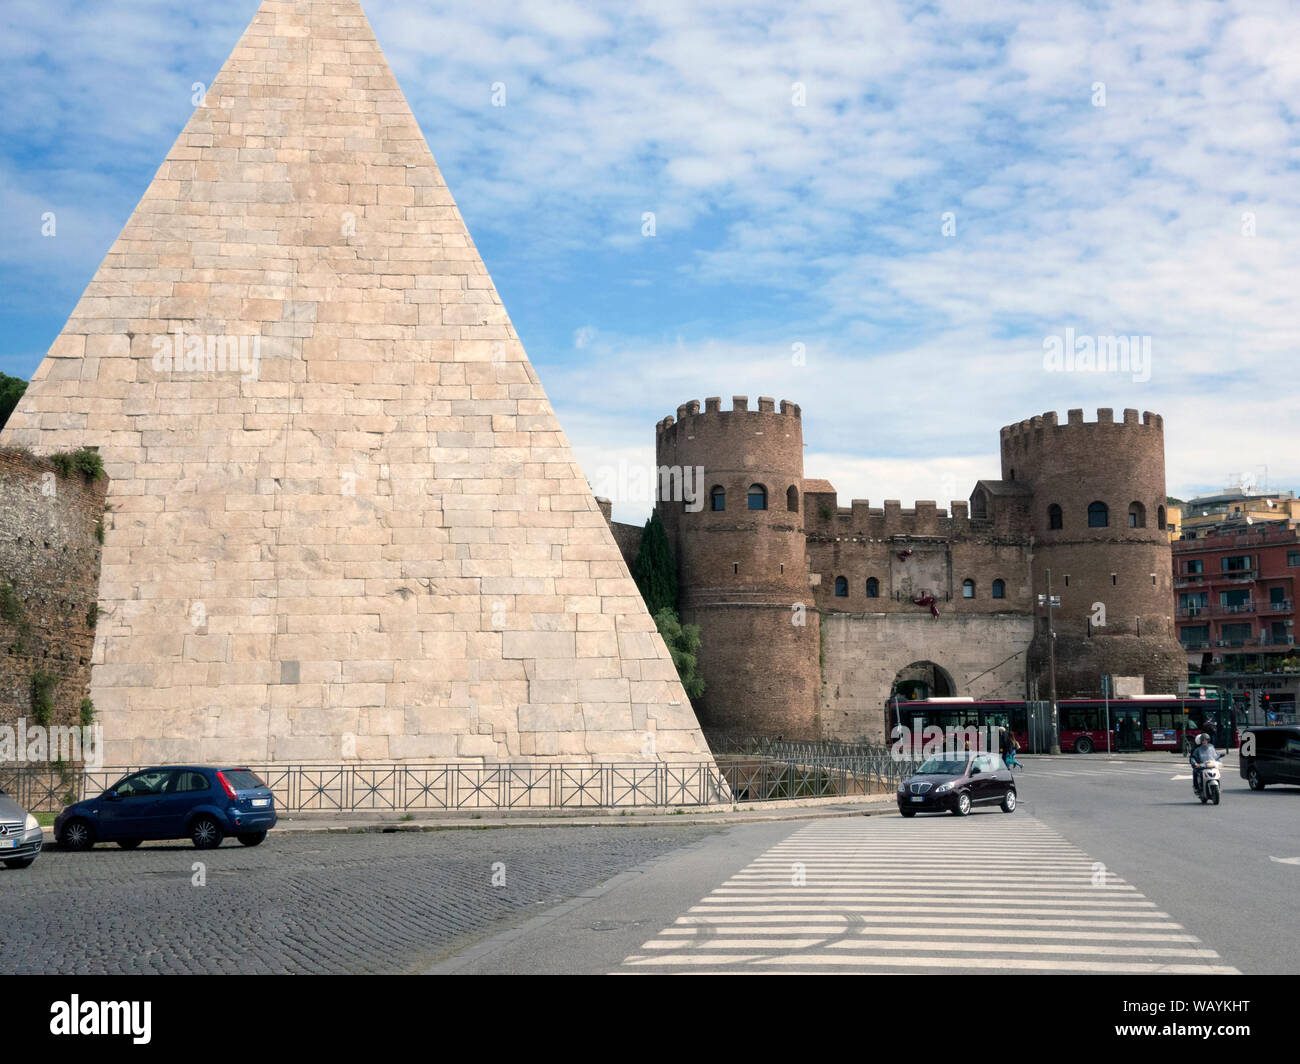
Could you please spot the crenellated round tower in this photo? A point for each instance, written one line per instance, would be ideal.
(1099, 526)
(742, 563)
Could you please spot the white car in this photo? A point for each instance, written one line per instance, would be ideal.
(21, 837)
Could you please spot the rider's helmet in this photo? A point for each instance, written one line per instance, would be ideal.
(1202, 738)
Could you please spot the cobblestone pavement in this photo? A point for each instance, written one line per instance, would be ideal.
(389, 903)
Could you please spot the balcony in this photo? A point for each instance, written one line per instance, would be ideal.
(1216, 610)
(1196, 644)
(1283, 606)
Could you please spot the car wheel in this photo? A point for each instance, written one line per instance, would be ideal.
(1009, 802)
(962, 808)
(20, 862)
(206, 833)
(1252, 777)
(128, 844)
(77, 835)
(1083, 745)
(252, 838)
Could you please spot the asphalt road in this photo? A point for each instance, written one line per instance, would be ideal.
(1212, 868)
(1184, 887)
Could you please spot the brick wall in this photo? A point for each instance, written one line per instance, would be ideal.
(50, 557)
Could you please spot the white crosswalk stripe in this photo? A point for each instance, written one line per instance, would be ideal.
(888, 895)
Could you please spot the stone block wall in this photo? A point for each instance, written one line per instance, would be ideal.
(49, 579)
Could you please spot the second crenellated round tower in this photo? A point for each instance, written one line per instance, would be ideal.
(1099, 527)
(742, 562)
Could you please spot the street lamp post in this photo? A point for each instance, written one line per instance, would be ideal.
(1051, 602)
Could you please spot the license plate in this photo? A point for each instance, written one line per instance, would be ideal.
(8, 844)
(918, 798)
(261, 801)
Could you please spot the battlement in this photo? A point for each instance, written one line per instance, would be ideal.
(1022, 432)
(739, 405)
(924, 518)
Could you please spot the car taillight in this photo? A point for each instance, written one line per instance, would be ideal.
(230, 791)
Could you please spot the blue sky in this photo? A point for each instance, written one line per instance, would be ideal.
(1169, 211)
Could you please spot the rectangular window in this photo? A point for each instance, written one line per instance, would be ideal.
(1193, 601)
(1236, 563)
(1293, 558)
(1196, 565)
(1195, 635)
(1235, 635)
(1235, 600)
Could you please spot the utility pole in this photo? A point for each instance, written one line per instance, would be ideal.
(1052, 601)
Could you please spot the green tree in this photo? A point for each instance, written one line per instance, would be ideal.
(684, 644)
(11, 390)
(655, 571)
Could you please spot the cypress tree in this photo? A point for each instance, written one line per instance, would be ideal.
(655, 571)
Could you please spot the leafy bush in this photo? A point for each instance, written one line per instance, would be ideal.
(84, 461)
(684, 644)
(87, 712)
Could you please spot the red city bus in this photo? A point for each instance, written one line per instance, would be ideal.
(1152, 722)
(961, 713)
(1149, 722)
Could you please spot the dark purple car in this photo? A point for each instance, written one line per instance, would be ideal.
(957, 783)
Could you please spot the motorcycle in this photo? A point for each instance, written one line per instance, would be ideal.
(1209, 787)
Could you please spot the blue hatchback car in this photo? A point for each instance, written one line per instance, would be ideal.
(189, 802)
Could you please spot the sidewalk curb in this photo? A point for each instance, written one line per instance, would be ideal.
(768, 813)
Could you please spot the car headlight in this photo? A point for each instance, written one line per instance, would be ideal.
(32, 823)
(943, 787)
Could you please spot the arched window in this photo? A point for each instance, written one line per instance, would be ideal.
(841, 587)
(792, 499)
(1160, 518)
(979, 505)
(1054, 517)
(757, 497)
(968, 589)
(873, 587)
(999, 589)
(1098, 515)
(718, 496)
(1137, 515)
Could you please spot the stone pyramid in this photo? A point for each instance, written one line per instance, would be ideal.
(344, 521)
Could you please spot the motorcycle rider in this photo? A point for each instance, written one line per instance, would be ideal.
(1202, 752)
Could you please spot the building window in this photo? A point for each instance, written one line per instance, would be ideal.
(999, 589)
(841, 587)
(873, 587)
(968, 589)
(1237, 563)
(1196, 565)
(1160, 518)
(718, 496)
(1137, 515)
(792, 499)
(1098, 515)
(1293, 558)
(757, 497)
(1055, 517)
(1195, 636)
(979, 505)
